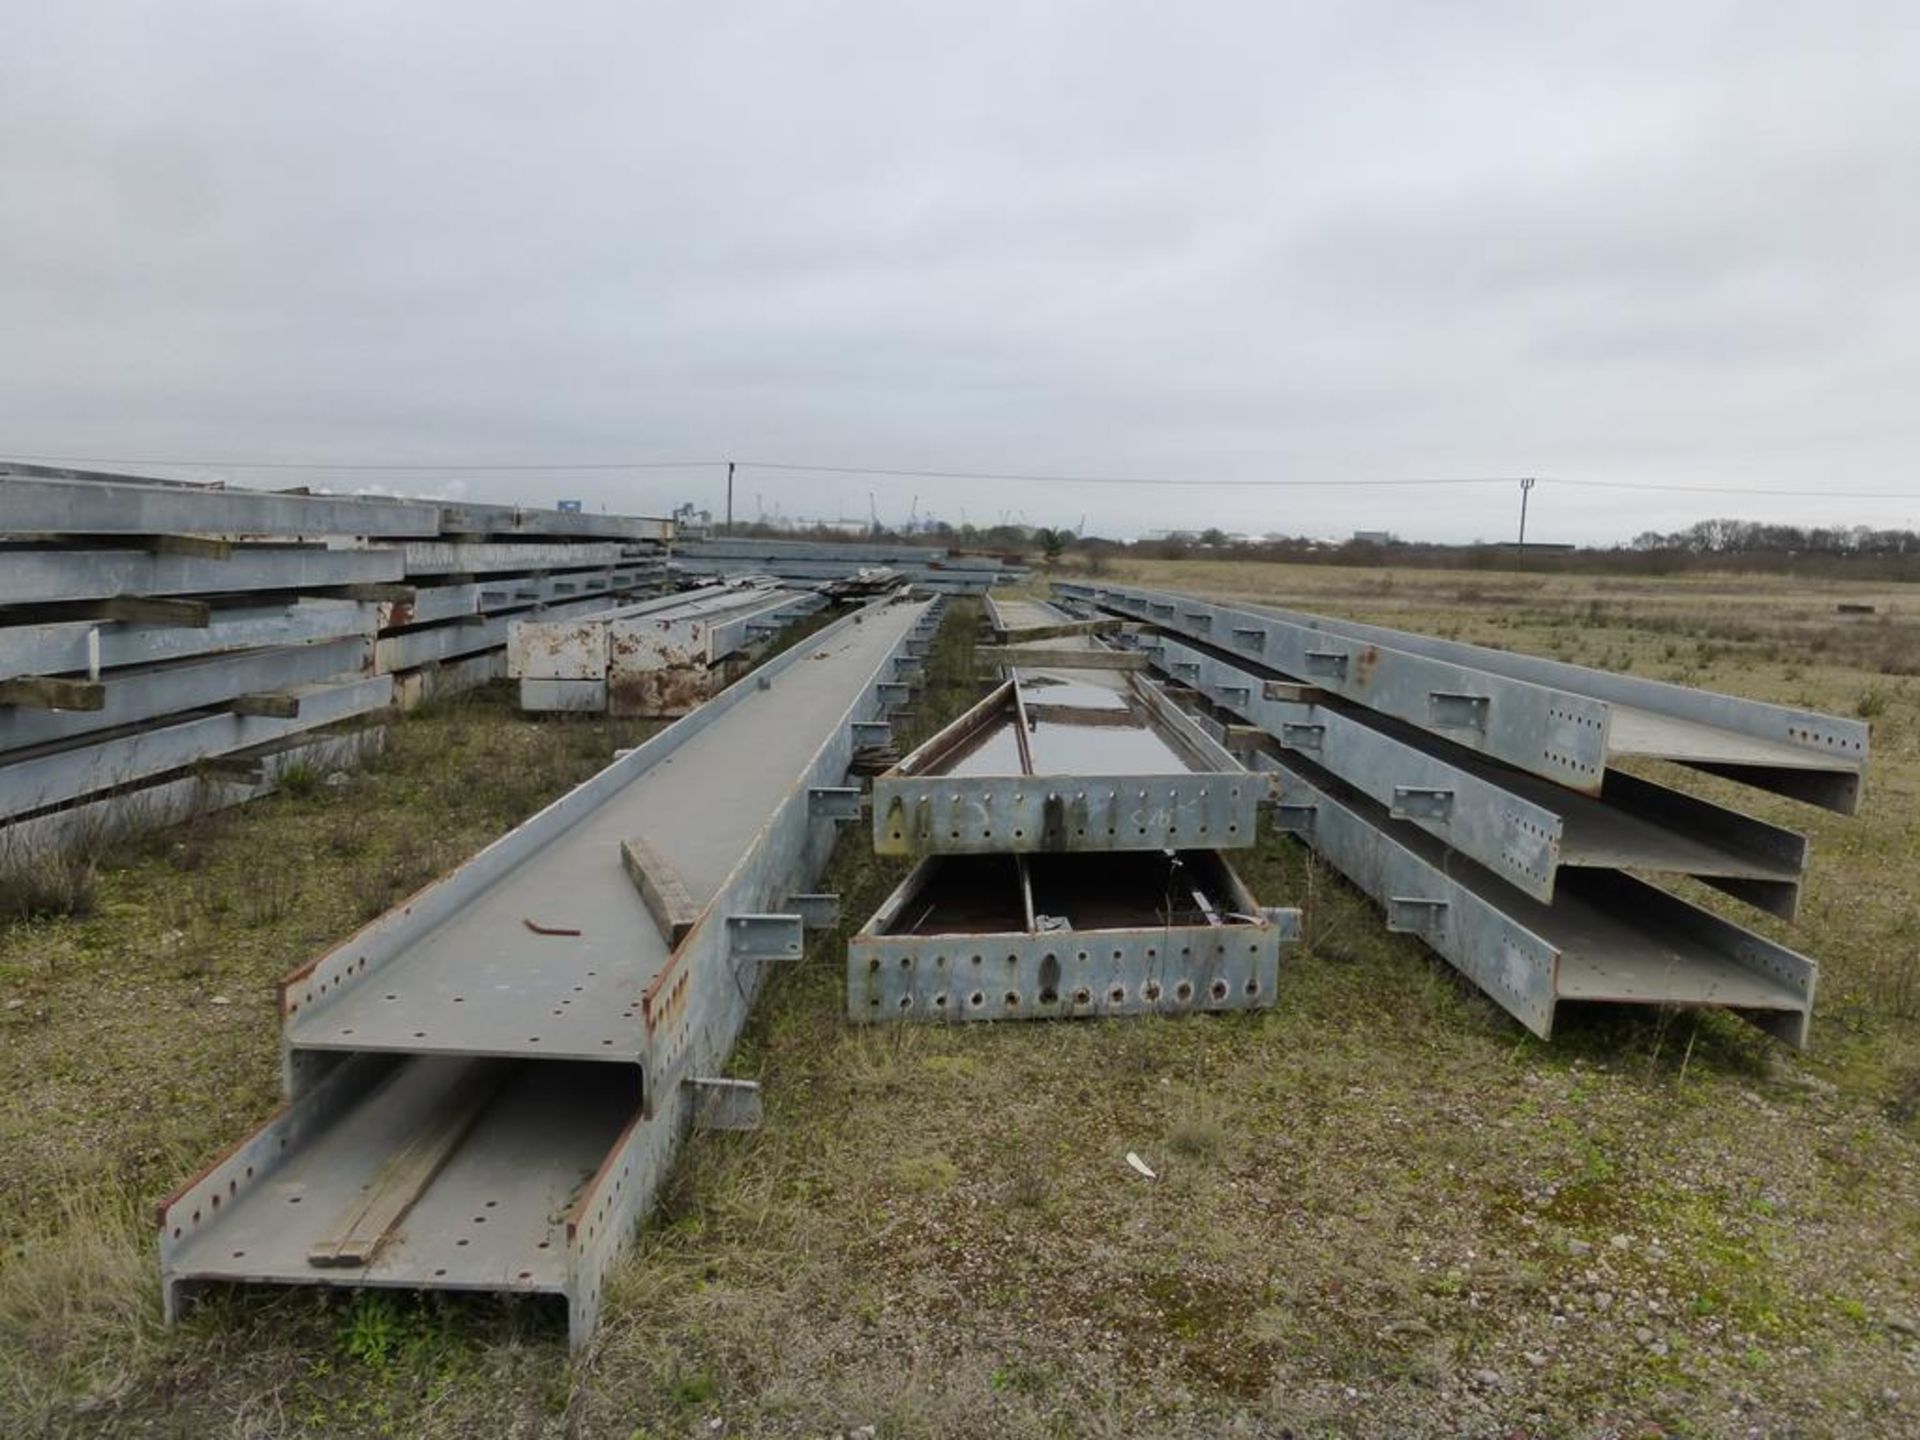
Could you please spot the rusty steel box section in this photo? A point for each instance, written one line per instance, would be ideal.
(993, 953)
(985, 784)
(659, 658)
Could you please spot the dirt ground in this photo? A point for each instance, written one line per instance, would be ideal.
(1383, 1208)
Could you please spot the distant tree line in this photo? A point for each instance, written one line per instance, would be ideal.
(1754, 537)
(1852, 552)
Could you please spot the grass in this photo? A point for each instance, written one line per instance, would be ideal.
(1382, 1208)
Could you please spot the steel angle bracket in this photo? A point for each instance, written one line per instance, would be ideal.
(1415, 914)
(1026, 814)
(755, 938)
(833, 802)
(871, 733)
(722, 1104)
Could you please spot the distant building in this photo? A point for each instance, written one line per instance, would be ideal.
(1373, 537)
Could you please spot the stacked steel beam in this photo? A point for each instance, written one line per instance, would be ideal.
(657, 657)
(822, 562)
(1069, 831)
(166, 648)
(1480, 797)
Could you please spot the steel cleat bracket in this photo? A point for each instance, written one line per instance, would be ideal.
(720, 1104)
(754, 938)
(1454, 710)
(1414, 914)
(833, 802)
(1422, 802)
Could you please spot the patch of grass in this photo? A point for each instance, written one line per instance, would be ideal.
(47, 885)
(300, 780)
(1367, 1195)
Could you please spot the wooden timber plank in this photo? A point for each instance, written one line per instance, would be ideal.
(1039, 659)
(151, 610)
(409, 1170)
(274, 706)
(661, 887)
(41, 692)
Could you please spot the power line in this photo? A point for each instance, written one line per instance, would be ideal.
(1008, 476)
(1166, 482)
(363, 465)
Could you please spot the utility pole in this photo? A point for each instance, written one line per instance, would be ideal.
(1525, 486)
(729, 529)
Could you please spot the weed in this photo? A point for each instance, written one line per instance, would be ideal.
(300, 780)
(374, 1330)
(41, 884)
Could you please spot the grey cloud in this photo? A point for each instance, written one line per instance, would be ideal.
(1633, 242)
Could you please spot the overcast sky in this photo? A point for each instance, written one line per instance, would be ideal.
(1668, 244)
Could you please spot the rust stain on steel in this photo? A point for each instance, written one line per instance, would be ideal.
(1369, 661)
(669, 691)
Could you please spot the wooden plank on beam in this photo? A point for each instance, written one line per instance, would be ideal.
(201, 546)
(40, 692)
(152, 610)
(1036, 658)
(273, 706)
(661, 887)
(241, 770)
(381, 1206)
(1027, 634)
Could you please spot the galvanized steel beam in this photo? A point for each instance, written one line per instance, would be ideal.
(92, 507)
(1607, 937)
(1553, 733)
(39, 780)
(1817, 758)
(616, 1123)
(75, 646)
(39, 577)
(149, 692)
